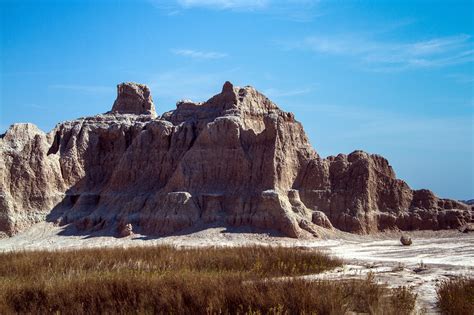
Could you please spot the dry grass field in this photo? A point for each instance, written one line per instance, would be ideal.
(145, 280)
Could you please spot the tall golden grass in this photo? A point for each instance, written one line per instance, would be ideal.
(165, 280)
(456, 296)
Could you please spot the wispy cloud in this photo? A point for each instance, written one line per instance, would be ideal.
(196, 54)
(381, 55)
(225, 4)
(35, 106)
(82, 88)
(461, 77)
(379, 127)
(273, 92)
(295, 10)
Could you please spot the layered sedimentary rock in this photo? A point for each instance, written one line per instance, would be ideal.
(134, 99)
(234, 160)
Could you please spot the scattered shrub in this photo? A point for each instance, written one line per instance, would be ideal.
(403, 299)
(456, 296)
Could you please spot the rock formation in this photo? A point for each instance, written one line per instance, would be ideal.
(405, 240)
(467, 228)
(134, 98)
(234, 160)
(469, 202)
(125, 230)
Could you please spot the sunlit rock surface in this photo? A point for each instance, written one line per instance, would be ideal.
(235, 160)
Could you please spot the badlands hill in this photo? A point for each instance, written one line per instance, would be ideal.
(234, 160)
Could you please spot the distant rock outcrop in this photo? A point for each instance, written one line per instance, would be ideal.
(134, 98)
(234, 160)
(468, 202)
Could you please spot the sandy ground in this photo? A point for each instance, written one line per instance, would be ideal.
(433, 257)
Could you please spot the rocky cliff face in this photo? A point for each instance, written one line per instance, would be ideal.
(234, 160)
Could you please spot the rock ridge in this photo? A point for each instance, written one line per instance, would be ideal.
(236, 159)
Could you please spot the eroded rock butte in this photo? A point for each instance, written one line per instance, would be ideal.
(235, 160)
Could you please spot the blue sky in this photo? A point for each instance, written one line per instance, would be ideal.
(388, 77)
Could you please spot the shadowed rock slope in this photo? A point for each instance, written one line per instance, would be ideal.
(235, 160)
